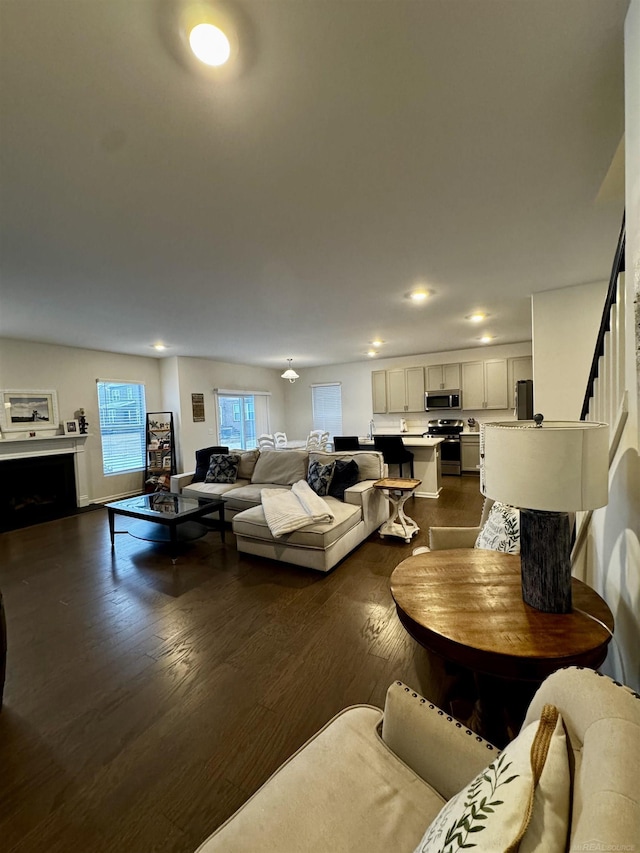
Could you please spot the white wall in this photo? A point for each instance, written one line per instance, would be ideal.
(72, 373)
(356, 390)
(610, 561)
(201, 376)
(565, 326)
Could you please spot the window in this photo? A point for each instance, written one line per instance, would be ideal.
(326, 401)
(242, 417)
(122, 426)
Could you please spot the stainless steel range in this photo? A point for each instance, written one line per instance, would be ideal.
(449, 429)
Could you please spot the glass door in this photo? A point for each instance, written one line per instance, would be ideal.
(237, 421)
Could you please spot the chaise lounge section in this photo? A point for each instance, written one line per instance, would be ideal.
(320, 546)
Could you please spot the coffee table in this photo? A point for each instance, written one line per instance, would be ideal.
(167, 517)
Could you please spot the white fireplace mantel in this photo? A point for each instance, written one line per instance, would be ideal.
(52, 445)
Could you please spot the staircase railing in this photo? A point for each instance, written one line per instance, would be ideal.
(606, 322)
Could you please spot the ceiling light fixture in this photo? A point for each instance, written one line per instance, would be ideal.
(371, 353)
(485, 339)
(376, 343)
(209, 44)
(289, 373)
(159, 347)
(418, 295)
(476, 318)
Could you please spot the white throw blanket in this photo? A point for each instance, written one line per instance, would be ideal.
(287, 510)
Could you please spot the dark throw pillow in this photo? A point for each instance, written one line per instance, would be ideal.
(319, 477)
(345, 474)
(223, 468)
(203, 458)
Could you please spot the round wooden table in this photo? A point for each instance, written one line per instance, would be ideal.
(466, 606)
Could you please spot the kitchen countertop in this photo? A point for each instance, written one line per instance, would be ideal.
(410, 441)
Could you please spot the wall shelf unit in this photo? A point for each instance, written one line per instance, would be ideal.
(161, 452)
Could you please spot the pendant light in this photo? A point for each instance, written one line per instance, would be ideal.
(289, 373)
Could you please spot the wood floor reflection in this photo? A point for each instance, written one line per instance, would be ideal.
(145, 701)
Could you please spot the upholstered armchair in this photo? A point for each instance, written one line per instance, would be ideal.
(442, 538)
(372, 781)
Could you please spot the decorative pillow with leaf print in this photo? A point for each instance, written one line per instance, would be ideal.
(519, 803)
(501, 530)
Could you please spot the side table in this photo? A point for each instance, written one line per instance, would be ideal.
(397, 490)
(466, 606)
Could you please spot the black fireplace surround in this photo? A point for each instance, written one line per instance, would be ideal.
(36, 489)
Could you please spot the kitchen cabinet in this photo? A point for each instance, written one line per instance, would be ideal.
(484, 384)
(470, 452)
(405, 389)
(442, 377)
(519, 368)
(379, 391)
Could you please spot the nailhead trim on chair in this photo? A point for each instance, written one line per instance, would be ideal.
(450, 719)
(602, 675)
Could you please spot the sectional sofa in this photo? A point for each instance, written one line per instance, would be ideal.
(320, 546)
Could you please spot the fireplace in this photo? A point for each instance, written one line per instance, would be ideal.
(36, 489)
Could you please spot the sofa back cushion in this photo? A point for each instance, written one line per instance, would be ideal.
(283, 467)
(248, 459)
(370, 462)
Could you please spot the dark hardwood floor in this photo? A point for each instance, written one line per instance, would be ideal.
(145, 702)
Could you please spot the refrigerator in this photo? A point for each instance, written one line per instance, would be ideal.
(524, 400)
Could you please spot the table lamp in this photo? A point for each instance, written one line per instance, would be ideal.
(547, 470)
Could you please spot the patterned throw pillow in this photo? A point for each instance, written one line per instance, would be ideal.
(520, 802)
(319, 477)
(223, 468)
(346, 474)
(501, 531)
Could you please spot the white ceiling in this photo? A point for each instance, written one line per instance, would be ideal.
(360, 148)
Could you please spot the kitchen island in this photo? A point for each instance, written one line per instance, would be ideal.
(426, 462)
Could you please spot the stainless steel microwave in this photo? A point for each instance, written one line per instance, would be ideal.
(435, 400)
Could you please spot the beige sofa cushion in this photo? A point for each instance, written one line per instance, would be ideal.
(253, 523)
(211, 490)
(343, 792)
(370, 463)
(282, 467)
(248, 459)
(248, 496)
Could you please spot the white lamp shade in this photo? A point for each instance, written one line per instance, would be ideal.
(562, 466)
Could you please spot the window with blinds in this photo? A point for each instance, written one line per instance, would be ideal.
(122, 426)
(326, 401)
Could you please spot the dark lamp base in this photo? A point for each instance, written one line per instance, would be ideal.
(545, 558)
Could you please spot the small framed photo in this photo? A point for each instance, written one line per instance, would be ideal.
(71, 427)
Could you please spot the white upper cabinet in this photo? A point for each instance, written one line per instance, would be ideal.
(405, 389)
(484, 384)
(379, 391)
(442, 377)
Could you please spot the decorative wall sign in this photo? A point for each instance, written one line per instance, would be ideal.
(197, 406)
(28, 411)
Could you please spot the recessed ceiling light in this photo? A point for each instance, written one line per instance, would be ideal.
(209, 44)
(485, 339)
(418, 295)
(476, 318)
(372, 353)
(159, 347)
(376, 343)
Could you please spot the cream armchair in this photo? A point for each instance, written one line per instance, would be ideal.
(372, 781)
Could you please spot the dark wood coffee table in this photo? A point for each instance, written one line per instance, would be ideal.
(167, 517)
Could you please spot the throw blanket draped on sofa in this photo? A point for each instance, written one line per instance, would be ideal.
(286, 511)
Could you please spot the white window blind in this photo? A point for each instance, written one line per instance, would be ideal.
(326, 400)
(122, 426)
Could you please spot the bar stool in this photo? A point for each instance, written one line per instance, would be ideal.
(393, 451)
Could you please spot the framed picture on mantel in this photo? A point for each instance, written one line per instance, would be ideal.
(27, 411)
